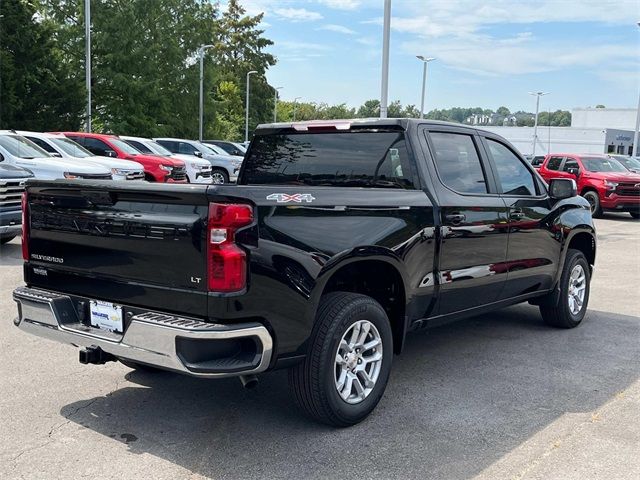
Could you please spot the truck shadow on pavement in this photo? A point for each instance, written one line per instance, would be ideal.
(460, 397)
(11, 253)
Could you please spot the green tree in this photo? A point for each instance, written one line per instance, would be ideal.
(369, 109)
(37, 90)
(504, 111)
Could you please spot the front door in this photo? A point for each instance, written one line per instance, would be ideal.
(534, 249)
(474, 230)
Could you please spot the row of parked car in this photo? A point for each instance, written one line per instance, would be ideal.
(103, 157)
(608, 182)
(79, 155)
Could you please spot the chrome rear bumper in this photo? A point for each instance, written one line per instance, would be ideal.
(152, 338)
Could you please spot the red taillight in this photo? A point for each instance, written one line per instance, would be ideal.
(226, 262)
(25, 227)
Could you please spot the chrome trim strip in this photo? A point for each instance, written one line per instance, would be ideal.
(150, 338)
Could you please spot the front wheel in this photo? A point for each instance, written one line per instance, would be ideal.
(594, 203)
(348, 363)
(570, 305)
(219, 176)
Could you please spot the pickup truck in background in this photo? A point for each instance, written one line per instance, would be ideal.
(601, 179)
(339, 239)
(12, 180)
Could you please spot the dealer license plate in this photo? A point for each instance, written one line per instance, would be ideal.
(106, 316)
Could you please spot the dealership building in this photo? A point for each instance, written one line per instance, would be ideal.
(592, 130)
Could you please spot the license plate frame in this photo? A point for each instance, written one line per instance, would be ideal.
(106, 316)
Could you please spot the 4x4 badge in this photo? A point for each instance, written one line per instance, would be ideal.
(296, 197)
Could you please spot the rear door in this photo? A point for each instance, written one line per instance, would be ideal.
(474, 221)
(533, 250)
(551, 169)
(129, 244)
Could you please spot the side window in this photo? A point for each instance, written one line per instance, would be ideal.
(570, 163)
(458, 162)
(95, 146)
(42, 144)
(186, 148)
(79, 140)
(514, 176)
(139, 146)
(554, 163)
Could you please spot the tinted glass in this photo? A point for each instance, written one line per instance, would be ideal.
(554, 163)
(141, 147)
(570, 164)
(71, 147)
(514, 176)
(95, 146)
(42, 144)
(360, 159)
(124, 146)
(458, 163)
(186, 148)
(21, 147)
(601, 164)
(169, 145)
(156, 148)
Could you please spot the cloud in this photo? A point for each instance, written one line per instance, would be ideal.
(341, 4)
(298, 14)
(338, 28)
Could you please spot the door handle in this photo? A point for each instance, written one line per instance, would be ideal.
(455, 218)
(516, 214)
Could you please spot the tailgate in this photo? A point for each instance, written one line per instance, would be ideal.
(140, 244)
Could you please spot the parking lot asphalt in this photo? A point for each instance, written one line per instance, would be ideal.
(492, 397)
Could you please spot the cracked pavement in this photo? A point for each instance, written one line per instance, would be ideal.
(499, 396)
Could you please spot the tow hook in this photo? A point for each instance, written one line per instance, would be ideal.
(95, 355)
(249, 381)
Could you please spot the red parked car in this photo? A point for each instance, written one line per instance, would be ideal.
(602, 180)
(156, 169)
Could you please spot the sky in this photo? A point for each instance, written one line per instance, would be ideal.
(488, 53)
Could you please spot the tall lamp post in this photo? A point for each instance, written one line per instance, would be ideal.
(384, 81)
(87, 60)
(295, 106)
(275, 104)
(246, 113)
(535, 123)
(636, 135)
(424, 60)
(201, 98)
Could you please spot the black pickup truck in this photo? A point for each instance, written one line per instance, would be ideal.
(339, 239)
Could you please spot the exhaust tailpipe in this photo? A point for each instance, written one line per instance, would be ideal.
(249, 381)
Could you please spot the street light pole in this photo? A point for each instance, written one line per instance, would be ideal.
(535, 123)
(201, 98)
(295, 106)
(87, 60)
(275, 104)
(384, 83)
(424, 60)
(246, 113)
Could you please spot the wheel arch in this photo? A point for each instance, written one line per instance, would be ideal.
(378, 275)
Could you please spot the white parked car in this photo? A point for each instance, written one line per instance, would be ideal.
(198, 169)
(231, 148)
(225, 167)
(57, 145)
(17, 150)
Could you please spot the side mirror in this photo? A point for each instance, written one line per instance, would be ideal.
(56, 154)
(1, 158)
(560, 188)
(198, 154)
(573, 171)
(110, 153)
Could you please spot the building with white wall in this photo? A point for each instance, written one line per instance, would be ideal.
(620, 118)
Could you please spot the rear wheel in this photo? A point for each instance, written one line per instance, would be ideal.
(594, 202)
(7, 239)
(570, 305)
(348, 363)
(219, 176)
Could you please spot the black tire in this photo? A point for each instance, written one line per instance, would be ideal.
(219, 173)
(635, 215)
(594, 201)
(313, 382)
(559, 314)
(139, 366)
(7, 239)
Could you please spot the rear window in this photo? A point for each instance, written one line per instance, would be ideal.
(359, 159)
